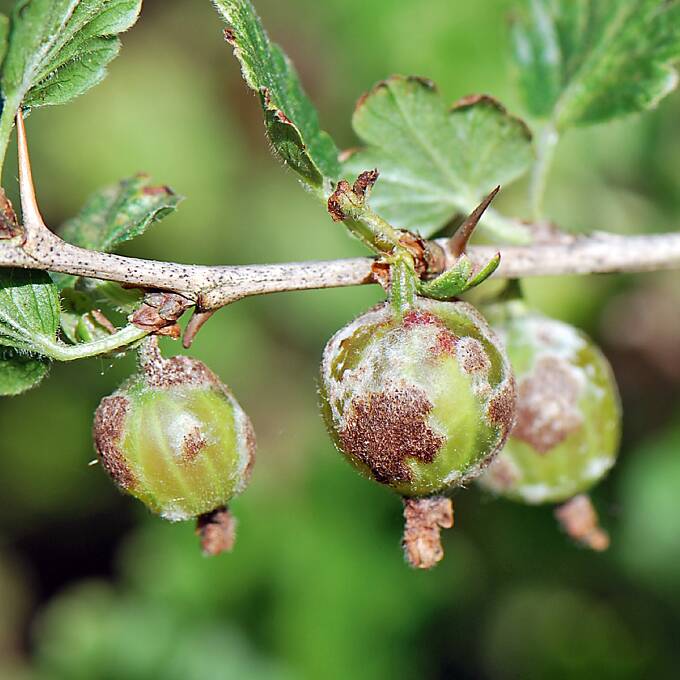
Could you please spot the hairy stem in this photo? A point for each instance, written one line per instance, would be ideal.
(60, 352)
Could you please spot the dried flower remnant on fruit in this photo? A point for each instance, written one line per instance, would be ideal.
(579, 521)
(568, 414)
(424, 520)
(174, 437)
(217, 531)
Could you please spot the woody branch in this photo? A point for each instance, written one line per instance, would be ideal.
(212, 287)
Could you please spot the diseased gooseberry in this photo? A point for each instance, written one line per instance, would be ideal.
(175, 437)
(420, 402)
(568, 425)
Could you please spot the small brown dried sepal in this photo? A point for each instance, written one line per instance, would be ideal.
(579, 520)
(346, 197)
(217, 530)
(9, 224)
(428, 257)
(159, 313)
(424, 520)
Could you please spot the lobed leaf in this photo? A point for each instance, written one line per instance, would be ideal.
(435, 162)
(29, 308)
(291, 121)
(117, 214)
(19, 372)
(587, 61)
(58, 49)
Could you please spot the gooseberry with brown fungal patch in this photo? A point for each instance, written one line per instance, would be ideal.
(419, 401)
(175, 437)
(568, 426)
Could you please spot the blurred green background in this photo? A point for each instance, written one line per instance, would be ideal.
(93, 587)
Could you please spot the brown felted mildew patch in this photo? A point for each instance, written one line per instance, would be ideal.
(502, 407)
(446, 342)
(472, 357)
(424, 519)
(417, 317)
(217, 530)
(178, 370)
(109, 422)
(192, 444)
(251, 446)
(385, 429)
(547, 405)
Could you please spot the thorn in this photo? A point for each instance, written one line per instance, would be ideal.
(30, 213)
(458, 242)
(195, 324)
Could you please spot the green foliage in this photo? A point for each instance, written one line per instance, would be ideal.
(19, 372)
(435, 163)
(29, 314)
(29, 308)
(117, 214)
(92, 633)
(58, 49)
(587, 61)
(458, 279)
(290, 118)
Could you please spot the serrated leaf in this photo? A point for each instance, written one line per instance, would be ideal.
(58, 49)
(435, 162)
(291, 120)
(587, 61)
(117, 214)
(29, 308)
(19, 372)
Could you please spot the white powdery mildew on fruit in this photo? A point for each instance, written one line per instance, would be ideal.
(597, 467)
(182, 426)
(174, 513)
(535, 493)
(245, 444)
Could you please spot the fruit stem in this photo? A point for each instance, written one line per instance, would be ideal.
(579, 520)
(403, 285)
(424, 519)
(150, 359)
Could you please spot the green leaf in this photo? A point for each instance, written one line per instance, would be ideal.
(4, 36)
(587, 61)
(18, 372)
(436, 162)
(290, 118)
(458, 279)
(58, 49)
(117, 214)
(29, 309)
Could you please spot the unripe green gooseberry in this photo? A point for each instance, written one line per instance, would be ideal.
(175, 437)
(420, 402)
(568, 426)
